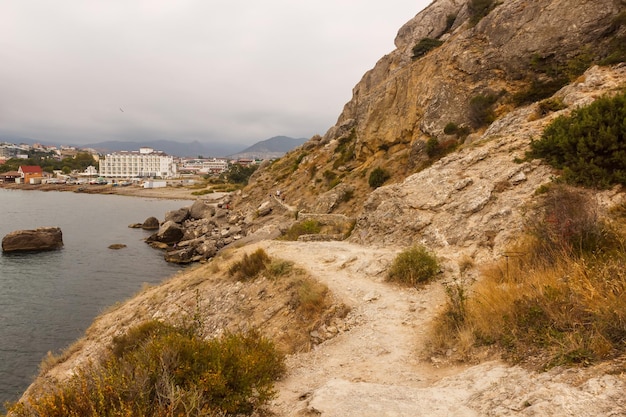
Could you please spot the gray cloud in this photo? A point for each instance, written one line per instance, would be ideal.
(212, 71)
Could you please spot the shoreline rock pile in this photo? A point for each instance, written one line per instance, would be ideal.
(197, 233)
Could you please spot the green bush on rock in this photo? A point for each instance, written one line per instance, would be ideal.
(589, 146)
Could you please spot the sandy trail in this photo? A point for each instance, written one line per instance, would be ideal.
(373, 367)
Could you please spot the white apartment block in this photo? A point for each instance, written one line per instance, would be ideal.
(138, 164)
(205, 166)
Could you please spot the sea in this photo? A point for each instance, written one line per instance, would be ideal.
(48, 299)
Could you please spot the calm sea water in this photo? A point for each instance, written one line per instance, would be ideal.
(47, 300)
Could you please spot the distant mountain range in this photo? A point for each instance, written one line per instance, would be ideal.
(274, 147)
(270, 148)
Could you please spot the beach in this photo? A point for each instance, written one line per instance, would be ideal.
(178, 192)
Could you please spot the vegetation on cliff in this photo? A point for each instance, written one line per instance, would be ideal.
(589, 146)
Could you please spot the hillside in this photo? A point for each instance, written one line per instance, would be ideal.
(271, 148)
(449, 120)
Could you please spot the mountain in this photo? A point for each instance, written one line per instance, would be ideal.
(170, 147)
(274, 147)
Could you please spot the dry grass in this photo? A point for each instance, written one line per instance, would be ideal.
(555, 301)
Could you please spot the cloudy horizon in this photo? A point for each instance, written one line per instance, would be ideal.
(79, 72)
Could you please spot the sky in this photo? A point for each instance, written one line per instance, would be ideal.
(213, 71)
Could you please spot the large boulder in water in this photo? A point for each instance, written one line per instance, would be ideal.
(151, 223)
(169, 232)
(40, 239)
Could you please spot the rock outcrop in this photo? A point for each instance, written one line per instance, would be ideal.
(197, 233)
(513, 52)
(472, 202)
(36, 240)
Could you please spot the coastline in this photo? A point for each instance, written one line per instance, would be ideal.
(172, 193)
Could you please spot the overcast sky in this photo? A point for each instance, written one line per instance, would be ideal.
(85, 71)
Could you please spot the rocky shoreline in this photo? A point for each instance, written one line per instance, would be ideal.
(193, 233)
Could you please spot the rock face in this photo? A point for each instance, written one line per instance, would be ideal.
(472, 202)
(404, 101)
(40, 239)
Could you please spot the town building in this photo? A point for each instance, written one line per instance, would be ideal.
(30, 173)
(145, 163)
(204, 166)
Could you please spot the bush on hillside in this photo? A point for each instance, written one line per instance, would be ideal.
(424, 46)
(481, 111)
(378, 177)
(306, 227)
(250, 265)
(616, 51)
(589, 146)
(479, 9)
(568, 225)
(345, 149)
(413, 266)
(162, 370)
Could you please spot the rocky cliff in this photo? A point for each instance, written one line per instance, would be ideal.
(464, 82)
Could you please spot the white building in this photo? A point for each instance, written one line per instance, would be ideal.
(205, 166)
(137, 164)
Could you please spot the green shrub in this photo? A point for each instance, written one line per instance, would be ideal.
(451, 128)
(538, 90)
(450, 19)
(481, 109)
(589, 146)
(424, 46)
(413, 266)
(432, 147)
(616, 51)
(345, 149)
(162, 370)
(479, 9)
(378, 177)
(306, 227)
(550, 105)
(437, 149)
(203, 192)
(280, 268)
(239, 174)
(550, 74)
(298, 160)
(329, 175)
(250, 265)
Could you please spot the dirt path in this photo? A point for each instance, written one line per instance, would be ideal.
(373, 368)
